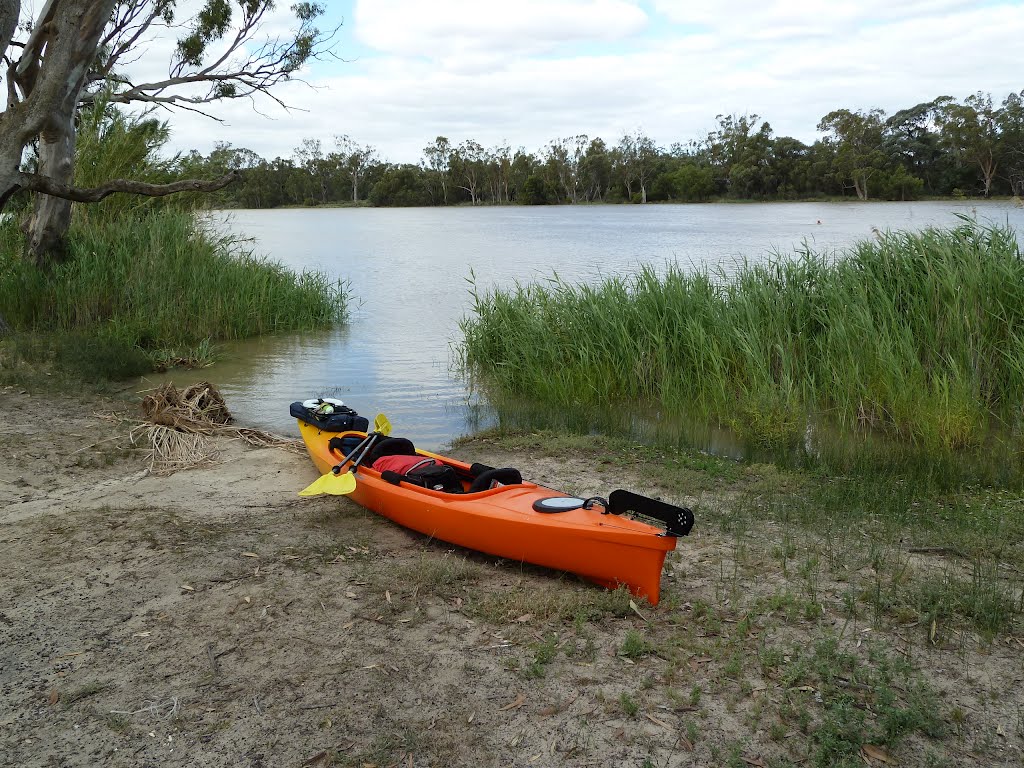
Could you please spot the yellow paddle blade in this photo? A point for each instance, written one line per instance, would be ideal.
(382, 425)
(335, 485)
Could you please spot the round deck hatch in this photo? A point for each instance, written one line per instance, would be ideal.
(558, 504)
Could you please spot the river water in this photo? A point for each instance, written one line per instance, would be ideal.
(408, 272)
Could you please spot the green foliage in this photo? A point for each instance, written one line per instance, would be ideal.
(398, 187)
(156, 282)
(535, 191)
(933, 148)
(112, 144)
(920, 335)
(101, 357)
(635, 645)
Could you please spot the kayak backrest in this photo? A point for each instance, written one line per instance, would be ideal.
(502, 476)
(390, 446)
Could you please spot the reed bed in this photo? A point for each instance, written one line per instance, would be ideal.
(919, 334)
(159, 281)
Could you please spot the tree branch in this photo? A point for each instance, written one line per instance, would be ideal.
(48, 186)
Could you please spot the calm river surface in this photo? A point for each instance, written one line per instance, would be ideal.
(408, 269)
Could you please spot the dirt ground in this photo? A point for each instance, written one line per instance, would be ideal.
(211, 617)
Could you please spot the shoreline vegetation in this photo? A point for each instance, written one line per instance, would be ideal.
(941, 149)
(918, 336)
(1014, 199)
(149, 292)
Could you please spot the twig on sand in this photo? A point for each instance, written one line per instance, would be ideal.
(153, 708)
(213, 659)
(326, 705)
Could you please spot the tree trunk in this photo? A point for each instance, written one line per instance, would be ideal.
(51, 216)
(50, 74)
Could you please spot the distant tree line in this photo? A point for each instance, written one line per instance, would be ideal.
(938, 148)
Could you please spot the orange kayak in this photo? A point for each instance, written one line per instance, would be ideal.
(597, 543)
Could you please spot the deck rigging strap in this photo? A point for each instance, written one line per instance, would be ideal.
(678, 520)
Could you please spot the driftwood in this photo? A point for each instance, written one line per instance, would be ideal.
(178, 426)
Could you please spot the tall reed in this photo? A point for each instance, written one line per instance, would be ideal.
(159, 280)
(921, 334)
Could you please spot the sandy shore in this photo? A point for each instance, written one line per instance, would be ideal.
(211, 617)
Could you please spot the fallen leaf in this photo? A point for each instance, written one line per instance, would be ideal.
(686, 743)
(350, 594)
(520, 700)
(656, 721)
(249, 554)
(1000, 731)
(247, 600)
(387, 596)
(142, 634)
(347, 625)
(876, 753)
(636, 610)
(525, 618)
(319, 756)
(932, 632)
(54, 696)
(188, 588)
(755, 761)
(470, 720)
(550, 710)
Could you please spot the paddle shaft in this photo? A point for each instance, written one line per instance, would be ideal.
(369, 441)
(336, 469)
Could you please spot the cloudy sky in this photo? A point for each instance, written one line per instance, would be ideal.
(528, 71)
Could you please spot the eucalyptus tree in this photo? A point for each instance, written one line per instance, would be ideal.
(355, 159)
(520, 171)
(912, 137)
(437, 160)
(75, 52)
(499, 173)
(791, 168)
(322, 170)
(740, 154)
(596, 170)
(563, 158)
(971, 133)
(857, 140)
(637, 160)
(1011, 134)
(469, 166)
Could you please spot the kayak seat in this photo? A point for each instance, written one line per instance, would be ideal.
(390, 446)
(502, 476)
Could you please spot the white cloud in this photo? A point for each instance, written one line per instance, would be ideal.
(448, 68)
(446, 28)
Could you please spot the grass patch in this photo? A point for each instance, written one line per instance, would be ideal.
(552, 602)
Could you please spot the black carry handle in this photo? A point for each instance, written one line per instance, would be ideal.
(678, 520)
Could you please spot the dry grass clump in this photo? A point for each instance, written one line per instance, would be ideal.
(178, 426)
